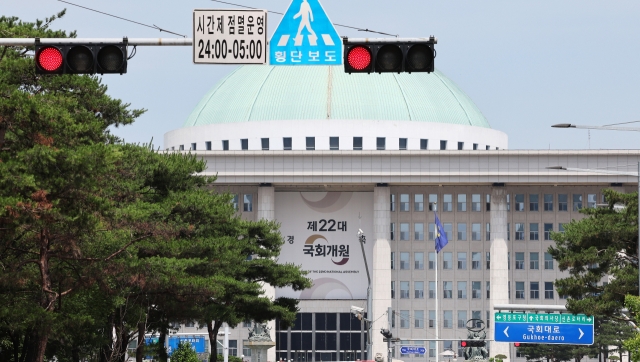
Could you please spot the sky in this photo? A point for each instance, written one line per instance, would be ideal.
(526, 64)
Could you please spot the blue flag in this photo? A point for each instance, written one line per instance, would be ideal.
(441, 236)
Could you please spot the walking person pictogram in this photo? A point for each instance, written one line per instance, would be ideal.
(306, 17)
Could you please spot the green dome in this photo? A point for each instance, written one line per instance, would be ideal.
(264, 93)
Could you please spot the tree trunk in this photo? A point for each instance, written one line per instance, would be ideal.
(38, 345)
(212, 329)
(75, 353)
(106, 350)
(162, 353)
(15, 341)
(140, 347)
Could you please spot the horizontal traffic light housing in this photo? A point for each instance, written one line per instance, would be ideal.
(472, 343)
(71, 58)
(389, 55)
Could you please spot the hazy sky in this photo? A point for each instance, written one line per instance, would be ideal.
(527, 65)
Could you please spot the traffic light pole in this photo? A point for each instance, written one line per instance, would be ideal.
(130, 41)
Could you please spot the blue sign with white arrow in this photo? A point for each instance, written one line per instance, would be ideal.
(305, 36)
(412, 350)
(544, 333)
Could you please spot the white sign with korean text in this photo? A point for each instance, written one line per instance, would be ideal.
(229, 36)
(320, 233)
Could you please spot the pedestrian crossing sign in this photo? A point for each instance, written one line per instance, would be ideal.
(305, 36)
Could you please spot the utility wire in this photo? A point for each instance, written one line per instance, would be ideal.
(615, 124)
(275, 12)
(118, 17)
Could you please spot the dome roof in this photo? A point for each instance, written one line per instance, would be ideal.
(264, 93)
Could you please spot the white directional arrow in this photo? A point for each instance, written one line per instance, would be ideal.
(507, 334)
(581, 333)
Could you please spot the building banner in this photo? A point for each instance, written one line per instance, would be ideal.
(320, 233)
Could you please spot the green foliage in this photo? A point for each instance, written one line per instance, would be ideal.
(632, 344)
(600, 245)
(184, 353)
(231, 358)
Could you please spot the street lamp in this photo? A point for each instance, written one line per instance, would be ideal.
(608, 128)
(368, 322)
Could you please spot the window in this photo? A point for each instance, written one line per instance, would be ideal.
(392, 206)
(591, 200)
(424, 143)
(462, 231)
(418, 261)
(432, 290)
(393, 289)
(462, 202)
(548, 228)
(447, 260)
(447, 321)
(418, 290)
(476, 232)
(562, 202)
(393, 260)
(443, 145)
(334, 143)
(462, 319)
(286, 143)
(508, 231)
(244, 144)
(475, 202)
(311, 143)
(488, 324)
(462, 290)
(534, 290)
(560, 228)
(533, 202)
(418, 231)
(548, 261)
(488, 287)
(404, 290)
(233, 347)
(533, 231)
(519, 205)
(193, 147)
(447, 287)
(433, 202)
(246, 350)
(508, 202)
(534, 260)
(487, 147)
(402, 144)
(577, 202)
(475, 146)
(519, 231)
(404, 231)
(519, 260)
(476, 290)
(488, 232)
(357, 143)
(404, 202)
(448, 229)
(432, 323)
(519, 290)
(432, 231)
(447, 204)
(404, 319)
(265, 144)
(207, 145)
(404, 261)
(246, 324)
(487, 256)
(462, 261)
(181, 148)
(432, 261)
(418, 202)
(248, 203)
(392, 231)
(234, 201)
(488, 202)
(380, 143)
(476, 261)
(460, 146)
(548, 290)
(548, 202)
(393, 318)
(418, 317)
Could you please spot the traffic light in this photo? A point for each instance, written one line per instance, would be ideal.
(472, 343)
(389, 55)
(386, 333)
(517, 344)
(89, 58)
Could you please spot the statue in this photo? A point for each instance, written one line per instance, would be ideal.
(259, 333)
(476, 331)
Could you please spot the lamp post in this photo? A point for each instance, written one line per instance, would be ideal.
(611, 127)
(368, 321)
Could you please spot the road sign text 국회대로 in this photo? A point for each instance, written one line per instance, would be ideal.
(305, 36)
(544, 328)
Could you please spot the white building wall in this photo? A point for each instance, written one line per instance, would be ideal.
(381, 268)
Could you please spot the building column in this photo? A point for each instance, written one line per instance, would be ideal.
(499, 274)
(381, 278)
(266, 210)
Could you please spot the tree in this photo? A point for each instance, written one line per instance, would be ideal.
(184, 353)
(632, 344)
(604, 244)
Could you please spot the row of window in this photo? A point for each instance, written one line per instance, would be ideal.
(417, 320)
(247, 202)
(476, 260)
(462, 288)
(476, 231)
(548, 202)
(334, 144)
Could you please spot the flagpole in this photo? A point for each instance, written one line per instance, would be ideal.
(437, 311)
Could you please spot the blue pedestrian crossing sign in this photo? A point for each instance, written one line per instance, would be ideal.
(305, 36)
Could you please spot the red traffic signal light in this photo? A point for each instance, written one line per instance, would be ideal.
(69, 58)
(472, 343)
(517, 344)
(389, 56)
